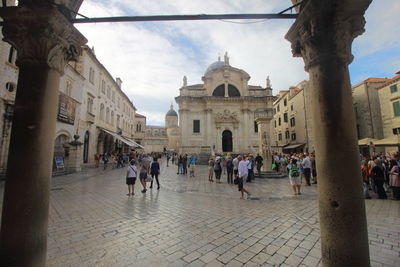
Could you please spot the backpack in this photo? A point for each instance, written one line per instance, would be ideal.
(229, 164)
(294, 171)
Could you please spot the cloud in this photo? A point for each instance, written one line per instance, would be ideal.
(151, 58)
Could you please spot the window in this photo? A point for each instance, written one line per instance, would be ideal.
(68, 88)
(113, 96)
(10, 87)
(285, 102)
(287, 135)
(108, 115)
(118, 102)
(291, 107)
(108, 92)
(255, 127)
(393, 88)
(103, 87)
(293, 136)
(112, 118)
(90, 105)
(285, 117)
(275, 123)
(118, 117)
(292, 122)
(280, 137)
(102, 112)
(396, 108)
(279, 121)
(196, 126)
(91, 75)
(12, 55)
(278, 108)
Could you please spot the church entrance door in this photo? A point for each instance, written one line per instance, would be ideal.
(227, 141)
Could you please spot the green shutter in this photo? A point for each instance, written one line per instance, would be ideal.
(393, 88)
(396, 108)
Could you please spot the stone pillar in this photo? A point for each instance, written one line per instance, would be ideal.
(75, 155)
(322, 35)
(45, 41)
(263, 141)
(208, 131)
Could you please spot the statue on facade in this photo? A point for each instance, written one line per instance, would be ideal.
(268, 82)
(226, 59)
(184, 81)
(226, 115)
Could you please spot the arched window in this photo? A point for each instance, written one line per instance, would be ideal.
(233, 91)
(107, 115)
(102, 112)
(219, 91)
(112, 118)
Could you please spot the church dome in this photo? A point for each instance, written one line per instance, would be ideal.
(215, 65)
(172, 112)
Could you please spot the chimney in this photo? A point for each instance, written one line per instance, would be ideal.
(119, 82)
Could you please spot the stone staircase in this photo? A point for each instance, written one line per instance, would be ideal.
(270, 175)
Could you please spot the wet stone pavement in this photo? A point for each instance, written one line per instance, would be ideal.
(192, 222)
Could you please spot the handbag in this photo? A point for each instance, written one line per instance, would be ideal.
(149, 179)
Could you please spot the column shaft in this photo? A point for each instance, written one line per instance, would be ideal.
(26, 194)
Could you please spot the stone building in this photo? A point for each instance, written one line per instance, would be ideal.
(291, 129)
(224, 113)
(389, 97)
(140, 128)
(91, 105)
(367, 108)
(156, 139)
(173, 129)
(8, 88)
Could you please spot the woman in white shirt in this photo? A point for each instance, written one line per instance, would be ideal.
(131, 175)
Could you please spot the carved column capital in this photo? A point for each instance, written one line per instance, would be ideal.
(42, 35)
(325, 31)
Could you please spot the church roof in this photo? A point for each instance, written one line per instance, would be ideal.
(172, 112)
(216, 65)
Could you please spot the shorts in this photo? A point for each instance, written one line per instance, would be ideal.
(210, 170)
(235, 172)
(130, 180)
(143, 175)
(240, 184)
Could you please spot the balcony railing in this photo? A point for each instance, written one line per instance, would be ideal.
(265, 113)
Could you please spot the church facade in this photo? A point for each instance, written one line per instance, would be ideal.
(225, 114)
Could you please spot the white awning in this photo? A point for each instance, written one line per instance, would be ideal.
(124, 140)
(293, 146)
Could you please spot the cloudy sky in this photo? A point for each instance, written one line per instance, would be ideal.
(151, 58)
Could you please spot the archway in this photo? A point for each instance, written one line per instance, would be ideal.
(227, 141)
(86, 147)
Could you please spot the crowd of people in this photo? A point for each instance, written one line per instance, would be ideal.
(380, 173)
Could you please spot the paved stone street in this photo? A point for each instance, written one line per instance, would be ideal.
(192, 222)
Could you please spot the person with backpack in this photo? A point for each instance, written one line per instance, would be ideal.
(131, 175)
(229, 170)
(218, 169)
(154, 172)
(294, 176)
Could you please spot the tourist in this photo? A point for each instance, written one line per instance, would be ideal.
(259, 163)
(131, 174)
(97, 159)
(154, 172)
(283, 163)
(192, 164)
(306, 164)
(218, 169)
(211, 169)
(180, 164)
(313, 168)
(235, 162)
(243, 172)
(168, 157)
(294, 176)
(365, 178)
(250, 166)
(394, 181)
(185, 163)
(276, 161)
(144, 171)
(229, 169)
(378, 177)
(105, 160)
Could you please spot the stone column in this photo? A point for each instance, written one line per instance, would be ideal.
(45, 41)
(75, 155)
(263, 141)
(208, 131)
(322, 35)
